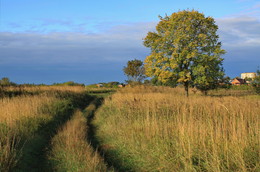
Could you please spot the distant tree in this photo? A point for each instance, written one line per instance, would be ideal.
(6, 82)
(135, 71)
(225, 82)
(256, 82)
(249, 79)
(113, 84)
(68, 83)
(185, 48)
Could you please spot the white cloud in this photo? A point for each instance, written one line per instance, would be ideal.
(239, 31)
(240, 37)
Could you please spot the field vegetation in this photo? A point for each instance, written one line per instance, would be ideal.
(29, 118)
(160, 129)
(70, 151)
(141, 128)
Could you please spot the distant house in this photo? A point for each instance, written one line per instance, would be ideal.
(238, 81)
(248, 75)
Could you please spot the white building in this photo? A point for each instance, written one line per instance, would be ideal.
(248, 75)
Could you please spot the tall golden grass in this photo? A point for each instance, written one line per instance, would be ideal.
(45, 88)
(159, 129)
(12, 110)
(22, 114)
(24, 110)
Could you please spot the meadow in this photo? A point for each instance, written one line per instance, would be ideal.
(29, 118)
(142, 128)
(160, 129)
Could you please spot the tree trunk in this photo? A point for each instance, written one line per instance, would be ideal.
(186, 86)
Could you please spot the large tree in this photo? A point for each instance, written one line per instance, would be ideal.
(185, 48)
(135, 70)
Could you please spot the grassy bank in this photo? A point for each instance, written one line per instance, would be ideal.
(159, 129)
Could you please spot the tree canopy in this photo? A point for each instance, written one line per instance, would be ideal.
(135, 71)
(185, 48)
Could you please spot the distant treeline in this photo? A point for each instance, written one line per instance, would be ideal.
(5, 81)
(113, 84)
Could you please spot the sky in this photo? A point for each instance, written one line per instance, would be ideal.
(53, 41)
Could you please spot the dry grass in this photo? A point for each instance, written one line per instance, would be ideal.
(71, 152)
(46, 88)
(24, 111)
(159, 129)
(13, 109)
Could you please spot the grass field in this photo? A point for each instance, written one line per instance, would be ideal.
(159, 129)
(29, 118)
(57, 128)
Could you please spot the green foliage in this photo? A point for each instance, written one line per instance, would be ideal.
(224, 83)
(6, 82)
(113, 84)
(241, 87)
(256, 82)
(171, 82)
(69, 83)
(185, 48)
(135, 71)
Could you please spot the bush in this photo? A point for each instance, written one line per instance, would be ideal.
(256, 82)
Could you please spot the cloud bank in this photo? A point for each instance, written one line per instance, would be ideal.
(240, 37)
(105, 53)
(101, 54)
(71, 47)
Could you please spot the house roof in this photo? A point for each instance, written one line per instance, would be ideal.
(239, 80)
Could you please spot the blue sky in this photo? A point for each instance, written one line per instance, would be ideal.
(49, 41)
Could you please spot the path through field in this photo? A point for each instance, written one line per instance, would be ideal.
(34, 154)
(92, 139)
(38, 155)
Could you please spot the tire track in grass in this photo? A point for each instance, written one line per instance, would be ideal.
(35, 150)
(103, 150)
(71, 151)
(33, 153)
